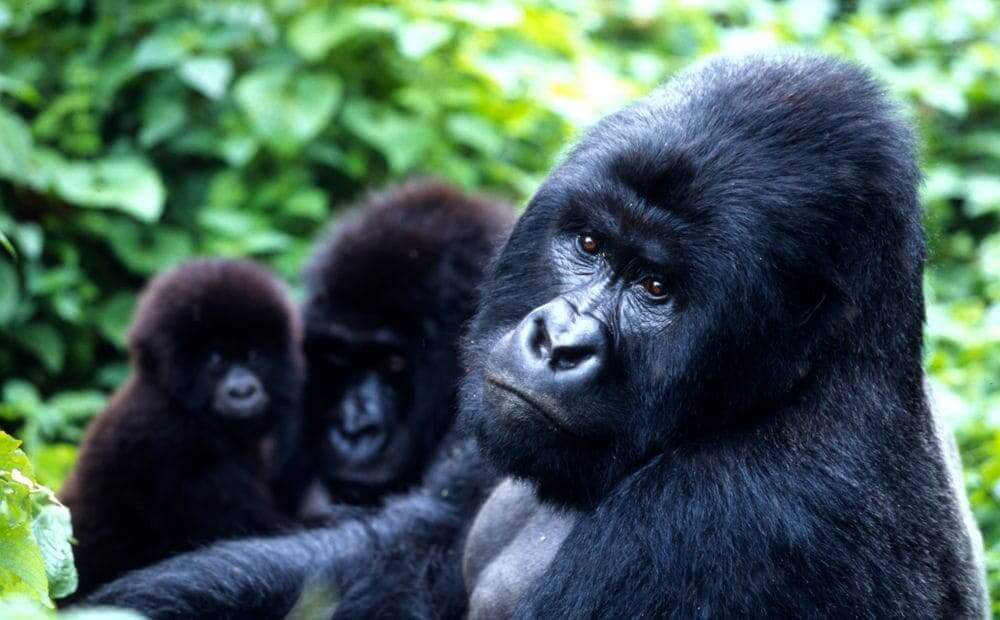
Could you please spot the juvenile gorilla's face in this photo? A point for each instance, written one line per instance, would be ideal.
(359, 385)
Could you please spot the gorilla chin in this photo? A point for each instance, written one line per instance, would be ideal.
(517, 406)
(374, 467)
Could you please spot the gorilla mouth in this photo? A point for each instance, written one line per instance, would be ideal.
(552, 417)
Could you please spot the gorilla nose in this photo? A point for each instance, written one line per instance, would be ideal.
(243, 387)
(241, 394)
(558, 338)
(359, 417)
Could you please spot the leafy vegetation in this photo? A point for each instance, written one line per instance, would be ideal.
(36, 561)
(135, 134)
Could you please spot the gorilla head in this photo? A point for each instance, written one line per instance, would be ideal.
(199, 340)
(388, 293)
(697, 258)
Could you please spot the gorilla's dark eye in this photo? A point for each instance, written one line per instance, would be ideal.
(396, 363)
(588, 243)
(654, 287)
(215, 360)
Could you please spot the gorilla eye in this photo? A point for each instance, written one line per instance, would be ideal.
(654, 287)
(588, 244)
(215, 360)
(396, 363)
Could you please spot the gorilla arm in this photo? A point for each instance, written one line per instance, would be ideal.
(410, 545)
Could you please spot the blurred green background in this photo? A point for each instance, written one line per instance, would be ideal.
(136, 134)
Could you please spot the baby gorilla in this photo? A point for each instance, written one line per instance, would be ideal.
(178, 457)
(387, 295)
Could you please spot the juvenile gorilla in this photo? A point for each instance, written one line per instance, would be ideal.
(388, 293)
(176, 460)
(699, 358)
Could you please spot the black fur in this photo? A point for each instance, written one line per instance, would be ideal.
(395, 283)
(761, 445)
(159, 472)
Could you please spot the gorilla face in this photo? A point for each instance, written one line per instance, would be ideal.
(360, 383)
(576, 385)
(243, 386)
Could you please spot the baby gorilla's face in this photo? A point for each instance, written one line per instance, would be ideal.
(239, 393)
(238, 386)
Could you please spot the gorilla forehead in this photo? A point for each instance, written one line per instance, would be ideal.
(768, 162)
(207, 300)
(414, 240)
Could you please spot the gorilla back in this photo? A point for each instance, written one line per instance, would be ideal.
(702, 344)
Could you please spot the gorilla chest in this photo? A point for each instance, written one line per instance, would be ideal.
(510, 545)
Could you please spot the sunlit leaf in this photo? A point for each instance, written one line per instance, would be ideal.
(53, 531)
(287, 109)
(209, 75)
(15, 156)
(419, 38)
(127, 184)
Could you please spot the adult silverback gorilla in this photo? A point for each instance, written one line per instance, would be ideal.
(700, 356)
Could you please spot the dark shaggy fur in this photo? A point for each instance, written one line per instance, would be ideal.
(392, 285)
(159, 471)
(759, 442)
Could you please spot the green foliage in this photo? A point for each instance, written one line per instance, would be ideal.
(36, 562)
(136, 134)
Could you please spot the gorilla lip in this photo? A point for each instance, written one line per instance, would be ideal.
(549, 415)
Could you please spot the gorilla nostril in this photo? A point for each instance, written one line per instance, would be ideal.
(569, 357)
(540, 343)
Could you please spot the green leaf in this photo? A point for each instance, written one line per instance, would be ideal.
(402, 140)
(22, 568)
(147, 250)
(286, 109)
(42, 341)
(309, 203)
(53, 531)
(22, 395)
(209, 75)
(6, 245)
(78, 405)
(53, 462)
(113, 317)
(127, 184)
(417, 39)
(160, 49)
(30, 239)
(15, 156)
(162, 119)
(475, 132)
(10, 293)
(983, 192)
(316, 32)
